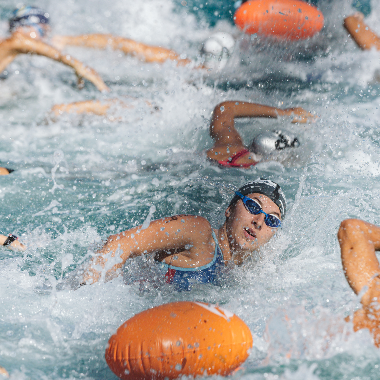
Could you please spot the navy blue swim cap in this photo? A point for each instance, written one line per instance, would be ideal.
(266, 187)
(28, 16)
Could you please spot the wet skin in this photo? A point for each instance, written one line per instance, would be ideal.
(186, 240)
(247, 232)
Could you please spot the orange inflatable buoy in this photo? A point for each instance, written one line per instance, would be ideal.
(179, 338)
(287, 19)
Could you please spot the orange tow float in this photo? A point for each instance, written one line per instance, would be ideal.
(285, 19)
(179, 338)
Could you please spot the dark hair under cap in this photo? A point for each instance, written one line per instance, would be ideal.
(266, 187)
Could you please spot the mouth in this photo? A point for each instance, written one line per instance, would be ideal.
(249, 233)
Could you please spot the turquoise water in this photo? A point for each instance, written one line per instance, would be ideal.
(80, 179)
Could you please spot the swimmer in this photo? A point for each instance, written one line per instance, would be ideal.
(11, 241)
(217, 50)
(359, 242)
(29, 27)
(188, 249)
(364, 37)
(229, 149)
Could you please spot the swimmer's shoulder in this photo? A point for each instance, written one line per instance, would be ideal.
(198, 225)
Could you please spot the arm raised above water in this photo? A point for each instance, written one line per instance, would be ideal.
(222, 126)
(20, 44)
(365, 38)
(189, 237)
(144, 52)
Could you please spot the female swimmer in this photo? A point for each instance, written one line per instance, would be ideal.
(187, 248)
(229, 149)
(29, 27)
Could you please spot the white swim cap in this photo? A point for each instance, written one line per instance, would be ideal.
(217, 49)
(269, 142)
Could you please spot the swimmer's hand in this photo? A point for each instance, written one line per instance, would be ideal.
(300, 115)
(358, 16)
(83, 71)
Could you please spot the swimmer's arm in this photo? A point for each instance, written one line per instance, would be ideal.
(30, 46)
(95, 107)
(166, 236)
(358, 242)
(8, 59)
(365, 38)
(144, 52)
(222, 127)
(14, 245)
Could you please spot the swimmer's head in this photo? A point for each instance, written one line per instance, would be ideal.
(266, 187)
(217, 49)
(270, 142)
(30, 16)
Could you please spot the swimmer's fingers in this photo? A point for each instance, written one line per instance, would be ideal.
(80, 82)
(305, 119)
(183, 62)
(300, 115)
(359, 16)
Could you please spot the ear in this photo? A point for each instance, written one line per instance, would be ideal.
(227, 213)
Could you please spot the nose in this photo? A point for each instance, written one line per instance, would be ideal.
(258, 220)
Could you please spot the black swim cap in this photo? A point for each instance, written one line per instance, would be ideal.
(28, 16)
(266, 187)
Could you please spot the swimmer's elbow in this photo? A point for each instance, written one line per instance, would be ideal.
(348, 227)
(223, 106)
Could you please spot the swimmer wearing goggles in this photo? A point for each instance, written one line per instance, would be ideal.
(28, 27)
(255, 208)
(189, 248)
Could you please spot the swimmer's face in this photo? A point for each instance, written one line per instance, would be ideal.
(246, 231)
(34, 33)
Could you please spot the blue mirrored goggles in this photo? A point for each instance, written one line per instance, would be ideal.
(254, 208)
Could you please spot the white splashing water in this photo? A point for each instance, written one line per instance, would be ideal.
(79, 179)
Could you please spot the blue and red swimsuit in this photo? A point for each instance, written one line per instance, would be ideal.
(183, 278)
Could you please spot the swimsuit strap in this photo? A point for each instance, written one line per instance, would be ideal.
(218, 250)
(231, 162)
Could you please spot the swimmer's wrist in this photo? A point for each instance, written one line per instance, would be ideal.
(12, 242)
(282, 112)
(9, 240)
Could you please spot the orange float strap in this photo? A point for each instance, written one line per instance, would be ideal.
(179, 338)
(285, 19)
